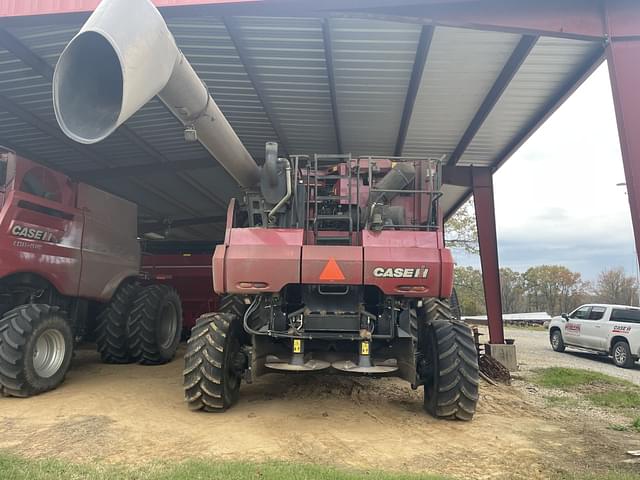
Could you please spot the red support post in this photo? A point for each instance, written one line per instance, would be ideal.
(486, 222)
(623, 57)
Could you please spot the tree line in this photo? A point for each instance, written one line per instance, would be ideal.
(546, 288)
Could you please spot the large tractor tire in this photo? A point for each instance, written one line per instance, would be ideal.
(155, 325)
(454, 303)
(214, 363)
(36, 347)
(111, 333)
(233, 304)
(448, 363)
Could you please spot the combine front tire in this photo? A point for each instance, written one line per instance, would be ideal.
(36, 346)
(155, 325)
(449, 366)
(214, 363)
(112, 325)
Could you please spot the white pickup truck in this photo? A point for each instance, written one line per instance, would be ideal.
(610, 329)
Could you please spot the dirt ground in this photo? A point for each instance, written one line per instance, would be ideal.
(133, 414)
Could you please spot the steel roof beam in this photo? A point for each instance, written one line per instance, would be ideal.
(328, 56)
(563, 93)
(25, 152)
(38, 65)
(233, 31)
(143, 169)
(31, 119)
(422, 52)
(515, 61)
(585, 70)
(146, 227)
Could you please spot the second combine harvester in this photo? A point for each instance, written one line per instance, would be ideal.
(329, 261)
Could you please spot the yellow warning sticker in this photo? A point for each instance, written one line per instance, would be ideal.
(364, 348)
(297, 346)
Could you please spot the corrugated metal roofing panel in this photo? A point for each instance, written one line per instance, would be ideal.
(209, 47)
(549, 66)
(373, 61)
(288, 56)
(462, 66)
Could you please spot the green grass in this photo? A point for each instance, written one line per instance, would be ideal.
(598, 389)
(616, 475)
(15, 468)
(635, 426)
(569, 378)
(556, 401)
(616, 399)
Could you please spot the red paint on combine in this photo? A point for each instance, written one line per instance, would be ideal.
(191, 276)
(76, 237)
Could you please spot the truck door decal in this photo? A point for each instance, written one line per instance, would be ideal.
(572, 328)
(621, 329)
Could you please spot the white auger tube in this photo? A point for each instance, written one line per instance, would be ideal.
(123, 57)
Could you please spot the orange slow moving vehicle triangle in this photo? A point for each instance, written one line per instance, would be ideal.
(332, 271)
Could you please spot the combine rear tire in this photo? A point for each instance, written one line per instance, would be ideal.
(155, 325)
(449, 365)
(233, 304)
(214, 363)
(454, 303)
(112, 325)
(36, 346)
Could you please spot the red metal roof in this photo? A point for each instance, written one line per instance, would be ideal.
(15, 8)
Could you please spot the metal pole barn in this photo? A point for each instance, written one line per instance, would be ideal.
(612, 25)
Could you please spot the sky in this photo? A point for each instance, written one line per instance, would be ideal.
(557, 201)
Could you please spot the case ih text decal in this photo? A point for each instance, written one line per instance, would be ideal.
(381, 272)
(621, 329)
(21, 231)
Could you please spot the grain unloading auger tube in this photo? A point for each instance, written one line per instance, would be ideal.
(123, 57)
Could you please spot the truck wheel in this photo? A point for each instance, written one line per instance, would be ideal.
(449, 364)
(622, 356)
(36, 346)
(214, 363)
(155, 325)
(111, 332)
(556, 341)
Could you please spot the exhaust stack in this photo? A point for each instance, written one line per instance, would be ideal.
(123, 57)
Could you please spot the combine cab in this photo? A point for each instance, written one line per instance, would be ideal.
(329, 263)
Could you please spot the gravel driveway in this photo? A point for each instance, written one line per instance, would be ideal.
(534, 351)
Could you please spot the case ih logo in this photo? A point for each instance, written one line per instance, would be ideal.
(381, 272)
(621, 329)
(21, 231)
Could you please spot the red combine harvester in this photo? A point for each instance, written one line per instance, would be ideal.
(69, 268)
(190, 275)
(329, 263)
